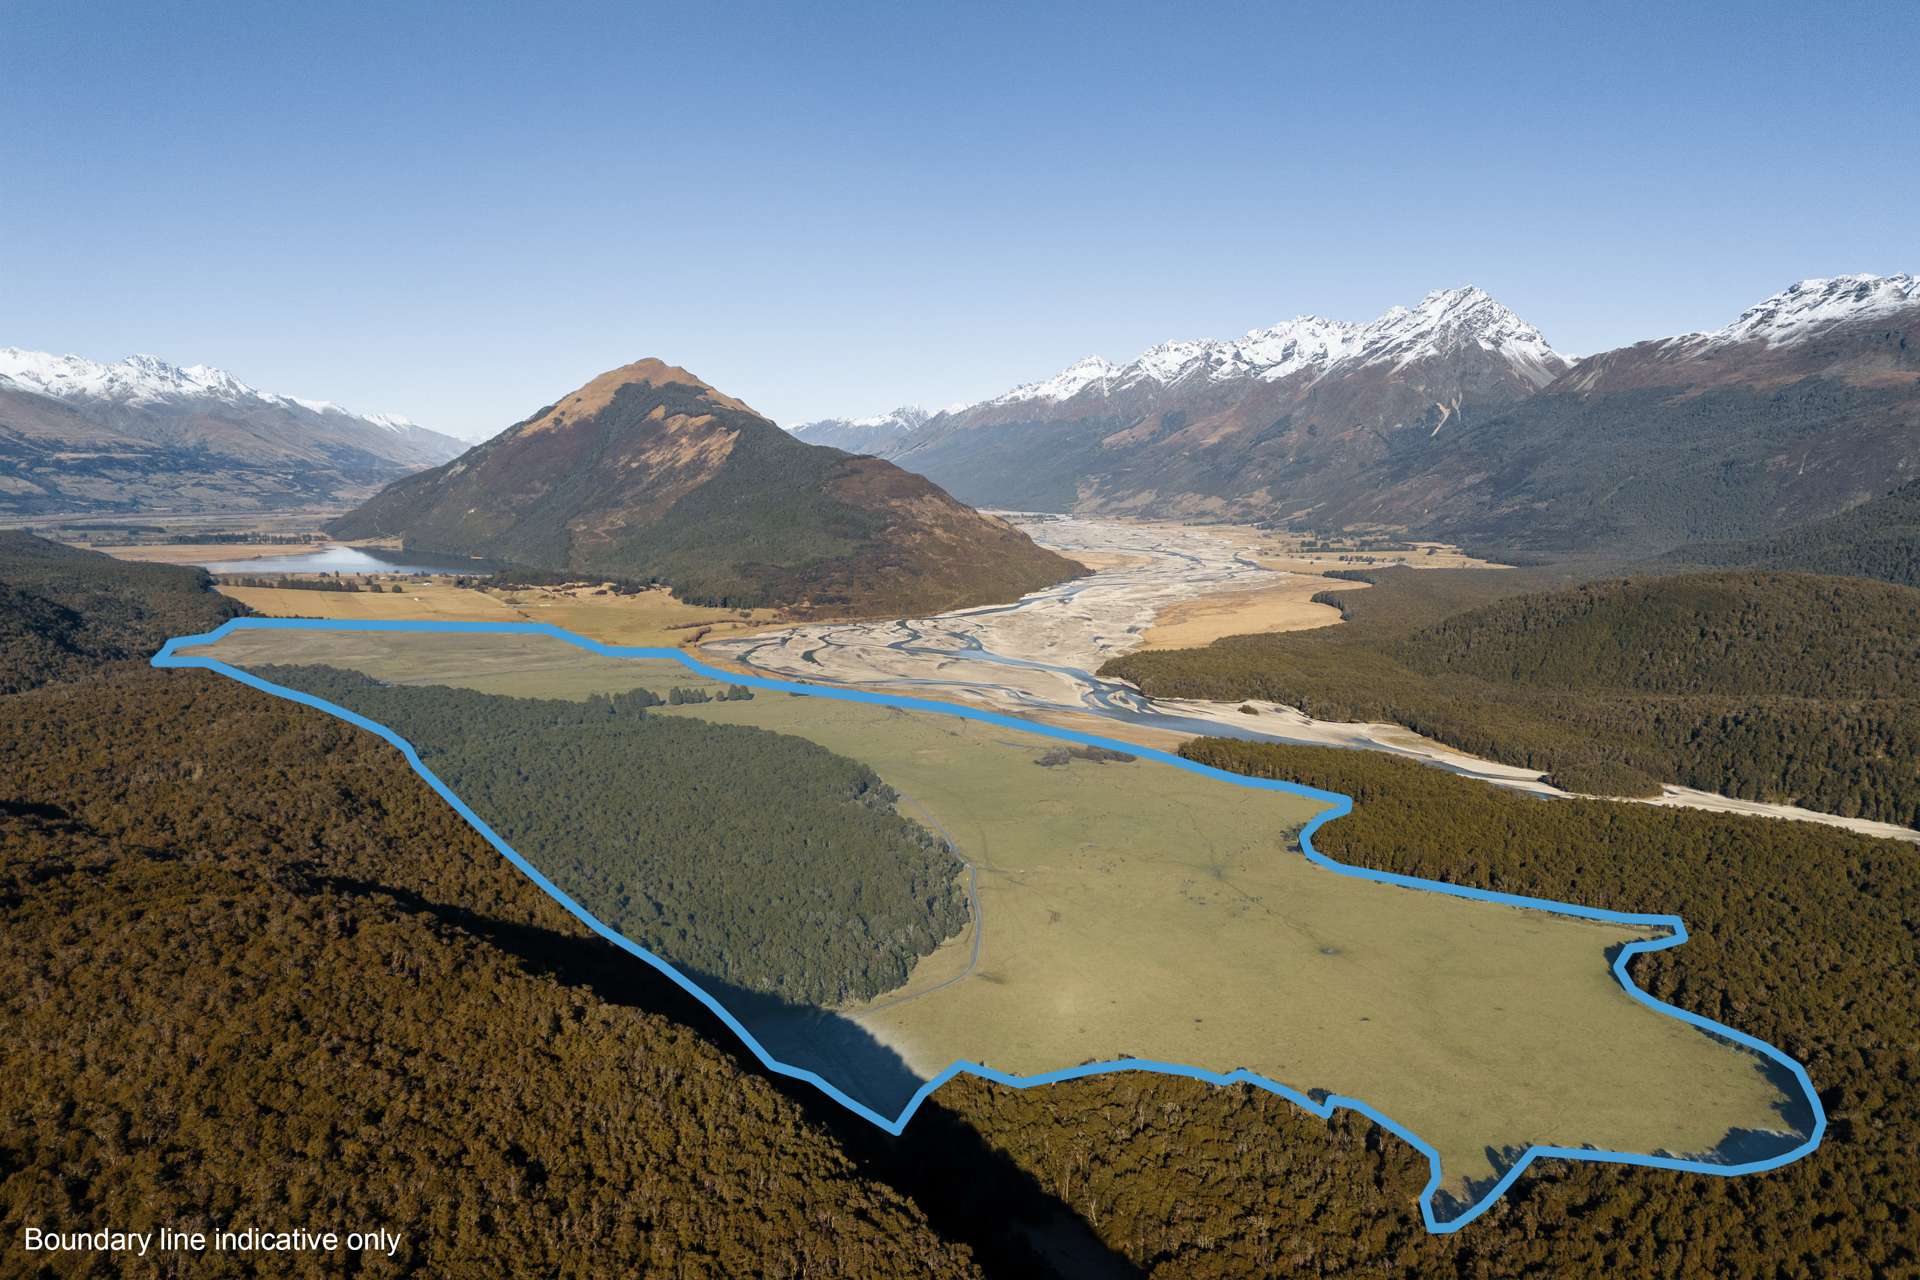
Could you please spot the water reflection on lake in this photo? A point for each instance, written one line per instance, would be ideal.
(340, 559)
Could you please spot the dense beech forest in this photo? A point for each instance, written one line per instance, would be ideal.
(64, 611)
(1764, 685)
(753, 860)
(251, 972)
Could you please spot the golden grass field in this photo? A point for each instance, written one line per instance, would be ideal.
(1143, 910)
(646, 618)
(1287, 606)
(200, 552)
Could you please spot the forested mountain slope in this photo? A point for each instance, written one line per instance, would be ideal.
(1736, 634)
(1879, 538)
(256, 972)
(64, 611)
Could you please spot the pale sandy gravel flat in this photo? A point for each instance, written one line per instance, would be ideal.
(1292, 725)
(1102, 560)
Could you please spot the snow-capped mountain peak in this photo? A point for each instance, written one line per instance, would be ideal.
(1810, 308)
(135, 380)
(876, 434)
(391, 421)
(1068, 383)
(1449, 320)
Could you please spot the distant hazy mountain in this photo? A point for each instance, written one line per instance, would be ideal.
(1806, 404)
(878, 435)
(649, 473)
(1251, 426)
(145, 435)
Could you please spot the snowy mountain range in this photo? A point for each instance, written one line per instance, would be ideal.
(1443, 323)
(1453, 417)
(1804, 405)
(142, 434)
(144, 383)
(1457, 415)
(1163, 431)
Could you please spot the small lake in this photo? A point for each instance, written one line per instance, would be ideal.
(339, 559)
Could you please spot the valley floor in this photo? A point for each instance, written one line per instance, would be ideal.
(1156, 585)
(1036, 657)
(1124, 909)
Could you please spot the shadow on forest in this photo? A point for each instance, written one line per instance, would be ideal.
(33, 809)
(1744, 1146)
(969, 1192)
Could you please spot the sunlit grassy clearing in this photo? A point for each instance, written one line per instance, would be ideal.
(1141, 910)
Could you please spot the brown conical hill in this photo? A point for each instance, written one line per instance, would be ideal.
(648, 473)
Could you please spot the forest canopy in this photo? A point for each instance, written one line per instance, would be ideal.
(753, 859)
(63, 611)
(1764, 685)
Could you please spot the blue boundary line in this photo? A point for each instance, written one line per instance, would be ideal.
(1338, 806)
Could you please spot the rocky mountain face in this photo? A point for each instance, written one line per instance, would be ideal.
(1457, 419)
(1248, 427)
(648, 473)
(142, 435)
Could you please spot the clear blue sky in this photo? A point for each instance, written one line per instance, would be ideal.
(461, 211)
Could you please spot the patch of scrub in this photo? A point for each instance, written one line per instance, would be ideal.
(1148, 909)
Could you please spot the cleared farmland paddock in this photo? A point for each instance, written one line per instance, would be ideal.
(1137, 909)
